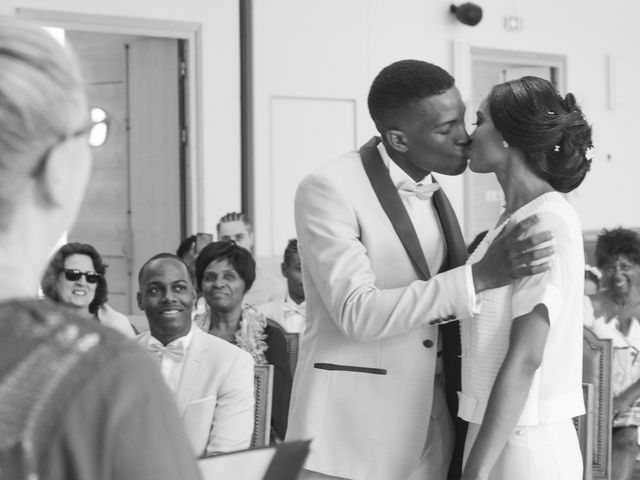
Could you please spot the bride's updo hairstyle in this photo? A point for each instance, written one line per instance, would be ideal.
(40, 89)
(550, 131)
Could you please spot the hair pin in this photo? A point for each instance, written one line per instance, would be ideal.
(551, 112)
(556, 148)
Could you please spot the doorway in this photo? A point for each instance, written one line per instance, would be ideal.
(140, 197)
(484, 200)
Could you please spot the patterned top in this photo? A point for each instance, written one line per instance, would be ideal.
(250, 336)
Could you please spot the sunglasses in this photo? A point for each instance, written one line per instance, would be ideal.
(74, 275)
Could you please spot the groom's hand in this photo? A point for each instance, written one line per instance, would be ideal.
(512, 255)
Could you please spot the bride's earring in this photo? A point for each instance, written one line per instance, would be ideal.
(505, 144)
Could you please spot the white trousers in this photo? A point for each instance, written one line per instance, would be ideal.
(549, 452)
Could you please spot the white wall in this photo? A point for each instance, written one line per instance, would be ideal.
(220, 100)
(333, 49)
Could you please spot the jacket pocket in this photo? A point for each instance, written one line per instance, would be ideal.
(350, 368)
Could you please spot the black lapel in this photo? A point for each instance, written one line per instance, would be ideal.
(456, 248)
(392, 205)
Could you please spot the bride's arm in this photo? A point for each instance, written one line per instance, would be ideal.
(509, 393)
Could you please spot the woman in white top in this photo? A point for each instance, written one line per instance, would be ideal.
(522, 356)
(614, 312)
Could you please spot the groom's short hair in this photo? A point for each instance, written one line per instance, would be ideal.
(402, 84)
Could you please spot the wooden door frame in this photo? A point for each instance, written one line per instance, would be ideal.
(464, 55)
(188, 31)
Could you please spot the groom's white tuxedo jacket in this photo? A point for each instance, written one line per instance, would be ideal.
(363, 387)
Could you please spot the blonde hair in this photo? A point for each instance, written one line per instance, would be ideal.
(40, 90)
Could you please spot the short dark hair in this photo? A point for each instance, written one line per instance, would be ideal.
(49, 283)
(290, 250)
(476, 241)
(159, 256)
(185, 245)
(550, 131)
(619, 241)
(235, 217)
(589, 275)
(240, 258)
(399, 85)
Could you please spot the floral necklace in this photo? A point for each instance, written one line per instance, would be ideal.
(250, 335)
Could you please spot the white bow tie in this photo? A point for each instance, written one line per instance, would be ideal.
(423, 192)
(291, 309)
(174, 351)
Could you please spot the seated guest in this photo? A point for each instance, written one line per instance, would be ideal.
(615, 314)
(75, 278)
(212, 380)
(224, 273)
(188, 251)
(237, 227)
(289, 310)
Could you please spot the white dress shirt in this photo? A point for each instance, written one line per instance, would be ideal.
(421, 212)
(170, 357)
(289, 315)
(294, 315)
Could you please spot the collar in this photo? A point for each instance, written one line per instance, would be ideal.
(399, 176)
(298, 307)
(184, 341)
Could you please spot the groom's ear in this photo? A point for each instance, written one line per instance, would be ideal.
(397, 140)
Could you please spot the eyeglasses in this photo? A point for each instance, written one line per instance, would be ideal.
(99, 127)
(74, 275)
(97, 130)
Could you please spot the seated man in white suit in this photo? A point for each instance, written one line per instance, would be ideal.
(382, 256)
(212, 379)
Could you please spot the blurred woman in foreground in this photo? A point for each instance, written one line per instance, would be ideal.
(77, 401)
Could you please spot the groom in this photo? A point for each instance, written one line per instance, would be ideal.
(382, 254)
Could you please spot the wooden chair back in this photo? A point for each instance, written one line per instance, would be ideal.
(263, 385)
(293, 340)
(596, 370)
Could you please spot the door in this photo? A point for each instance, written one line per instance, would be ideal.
(134, 206)
(484, 200)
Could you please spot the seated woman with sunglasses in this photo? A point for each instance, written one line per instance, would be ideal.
(75, 279)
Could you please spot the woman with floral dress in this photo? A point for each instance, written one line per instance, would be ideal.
(614, 313)
(224, 273)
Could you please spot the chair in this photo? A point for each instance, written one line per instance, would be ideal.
(263, 385)
(584, 427)
(292, 349)
(596, 370)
